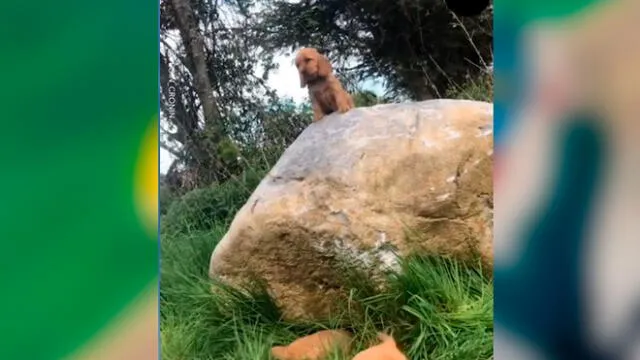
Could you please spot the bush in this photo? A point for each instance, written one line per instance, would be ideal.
(165, 198)
(201, 209)
(479, 88)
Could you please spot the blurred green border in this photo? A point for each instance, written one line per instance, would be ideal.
(80, 89)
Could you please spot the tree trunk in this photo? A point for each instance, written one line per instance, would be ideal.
(203, 143)
(193, 40)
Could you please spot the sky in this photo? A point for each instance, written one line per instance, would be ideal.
(285, 82)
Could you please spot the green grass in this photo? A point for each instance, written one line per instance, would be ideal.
(479, 88)
(436, 309)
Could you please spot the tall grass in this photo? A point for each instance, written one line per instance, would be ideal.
(436, 309)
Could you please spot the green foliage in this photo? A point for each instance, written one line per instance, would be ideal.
(433, 305)
(478, 88)
(365, 98)
(228, 151)
(418, 46)
(205, 143)
(283, 121)
(201, 209)
(165, 198)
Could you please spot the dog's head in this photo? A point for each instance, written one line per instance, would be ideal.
(280, 352)
(386, 350)
(312, 66)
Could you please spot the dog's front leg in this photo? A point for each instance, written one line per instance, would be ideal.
(317, 110)
(343, 102)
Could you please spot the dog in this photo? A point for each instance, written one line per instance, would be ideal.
(325, 91)
(316, 346)
(386, 350)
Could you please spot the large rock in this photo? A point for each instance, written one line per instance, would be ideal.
(355, 189)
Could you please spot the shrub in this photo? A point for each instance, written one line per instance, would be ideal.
(200, 209)
(479, 88)
(165, 198)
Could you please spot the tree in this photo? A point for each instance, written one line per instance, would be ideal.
(211, 99)
(418, 46)
(366, 98)
(219, 117)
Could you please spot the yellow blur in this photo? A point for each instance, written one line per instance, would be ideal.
(134, 334)
(146, 180)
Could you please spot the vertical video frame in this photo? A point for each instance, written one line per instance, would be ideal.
(326, 179)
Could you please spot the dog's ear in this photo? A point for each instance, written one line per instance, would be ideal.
(324, 66)
(303, 82)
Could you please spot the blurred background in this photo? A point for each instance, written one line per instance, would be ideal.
(566, 199)
(78, 203)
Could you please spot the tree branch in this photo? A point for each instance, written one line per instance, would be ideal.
(170, 149)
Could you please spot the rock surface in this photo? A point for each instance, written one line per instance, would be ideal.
(358, 188)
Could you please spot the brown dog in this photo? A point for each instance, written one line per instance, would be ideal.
(326, 93)
(315, 346)
(387, 350)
